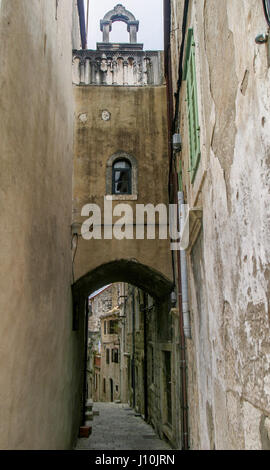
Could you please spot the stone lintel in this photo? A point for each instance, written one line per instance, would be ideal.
(135, 24)
(101, 46)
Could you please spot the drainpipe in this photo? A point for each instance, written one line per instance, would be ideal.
(133, 350)
(85, 357)
(81, 11)
(183, 361)
(145, 310)
(184, 276)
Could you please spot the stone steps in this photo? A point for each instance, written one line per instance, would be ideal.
(89, 414)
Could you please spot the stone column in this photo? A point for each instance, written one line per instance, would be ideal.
(150, 80)
(93, 72)
(125, 72)
(87, 72)
(144, 78)
(114, 72)
(133, 28)
(104, 69)
(106, 27)
(82, 71)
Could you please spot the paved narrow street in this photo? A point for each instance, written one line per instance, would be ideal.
(117, 428)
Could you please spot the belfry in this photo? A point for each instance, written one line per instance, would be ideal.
(118, 63)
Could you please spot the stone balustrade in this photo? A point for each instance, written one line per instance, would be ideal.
(121, 68)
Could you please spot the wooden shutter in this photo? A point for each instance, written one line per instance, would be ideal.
(192, 107)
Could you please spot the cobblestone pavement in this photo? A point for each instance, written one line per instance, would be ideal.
(117, 428)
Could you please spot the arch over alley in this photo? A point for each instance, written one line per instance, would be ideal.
(130, 271)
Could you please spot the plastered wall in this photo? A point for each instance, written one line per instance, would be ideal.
(229, 355)
(137, 125)
(40, 361)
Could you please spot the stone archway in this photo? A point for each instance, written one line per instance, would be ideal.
(130, 271)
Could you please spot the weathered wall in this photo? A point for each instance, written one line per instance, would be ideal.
(99, 304)
(161, 336)
(229, 355)
(39, 356)
(110, 371)
(138, 126)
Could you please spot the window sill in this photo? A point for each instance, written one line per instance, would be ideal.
(191, 229)
(122, 197)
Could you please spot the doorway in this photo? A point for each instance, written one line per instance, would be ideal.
(111, 387)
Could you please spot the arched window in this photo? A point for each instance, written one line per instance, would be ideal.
(122, 177)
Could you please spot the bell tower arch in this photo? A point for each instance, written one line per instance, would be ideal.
(119, 13)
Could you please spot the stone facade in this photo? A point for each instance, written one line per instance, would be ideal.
(103, 308)
(117, 117)
(144, 370)
(228, 253)
(110, 357)
(99, 304)
(150, 360)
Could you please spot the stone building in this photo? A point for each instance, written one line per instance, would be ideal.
(136, 360)
(119, 120)
(149, 362)
(103, 359)
(110, 357)
(99, 302)
(217, 70)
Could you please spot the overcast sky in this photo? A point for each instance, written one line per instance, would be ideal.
(148, 12)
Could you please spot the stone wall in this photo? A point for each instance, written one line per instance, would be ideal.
(99, 304)
(110, 370)
(137, 126)
(40, 358)
(103, 308)
(155, 337)
(229, 355)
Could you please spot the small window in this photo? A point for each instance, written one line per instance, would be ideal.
(105, 329)
(113, 327)
(121, 177)
(108, 356)
(115, 356)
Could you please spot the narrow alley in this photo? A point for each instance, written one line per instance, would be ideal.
(118, 427)
(135, 221)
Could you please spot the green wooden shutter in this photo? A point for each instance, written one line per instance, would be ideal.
(192, 106)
